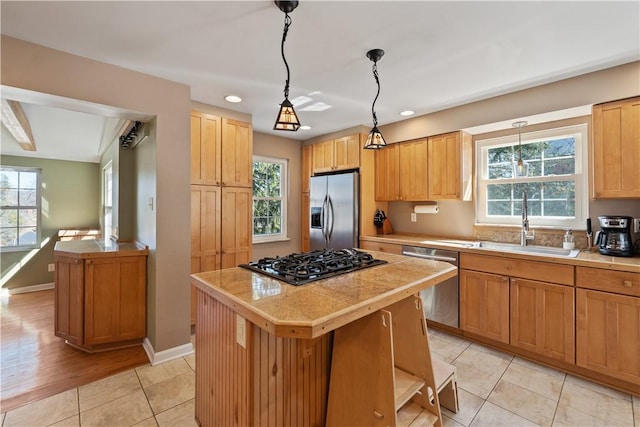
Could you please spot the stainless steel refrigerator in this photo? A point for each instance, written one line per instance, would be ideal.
(334, 211)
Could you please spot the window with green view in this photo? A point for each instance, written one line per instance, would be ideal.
(269, 198)
(19, 208)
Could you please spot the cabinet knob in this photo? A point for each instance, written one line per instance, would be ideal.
(627, 283)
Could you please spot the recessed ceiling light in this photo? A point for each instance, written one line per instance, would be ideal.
(407, 113)
(233, 98)
(305, 127)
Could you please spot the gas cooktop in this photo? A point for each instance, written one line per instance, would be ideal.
(301, 268)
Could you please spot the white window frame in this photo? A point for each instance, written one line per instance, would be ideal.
(580, 177)
(284, 195)
(38, 207)
(107, 202)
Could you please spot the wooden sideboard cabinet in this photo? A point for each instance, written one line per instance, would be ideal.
(616, 149)
(100, 294)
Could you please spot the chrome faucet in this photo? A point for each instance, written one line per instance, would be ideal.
(525, 233)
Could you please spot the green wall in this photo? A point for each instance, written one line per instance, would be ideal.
(70, 198)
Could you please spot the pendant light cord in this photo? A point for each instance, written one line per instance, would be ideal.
(373, 111)
(287, 23)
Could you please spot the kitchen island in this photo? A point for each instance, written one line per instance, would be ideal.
(351, 349)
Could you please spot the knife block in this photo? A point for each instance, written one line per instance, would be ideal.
(386, 227)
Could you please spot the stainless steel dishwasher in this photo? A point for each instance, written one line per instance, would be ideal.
(440, 302)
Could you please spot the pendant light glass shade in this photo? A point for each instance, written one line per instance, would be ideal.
(375, 140)
(287, 118)
(520, 168)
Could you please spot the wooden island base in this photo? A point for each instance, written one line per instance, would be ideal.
(374, 371)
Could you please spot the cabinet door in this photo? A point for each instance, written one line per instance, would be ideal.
(323, 155)
(205, 232)
(305, 224)
(115, 299)
(608, 334)
(542, 318)
(413, 170)
(237, 231)
(237, 152)
(69, 299)
(444, 166)
(387, 183)
(205, 149)
(307, 167)
(616, 149)
(347, 152)
(484, 304)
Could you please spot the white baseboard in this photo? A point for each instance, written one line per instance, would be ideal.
(165, 355)
(32, 288)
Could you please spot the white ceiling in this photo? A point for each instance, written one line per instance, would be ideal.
(438, 54)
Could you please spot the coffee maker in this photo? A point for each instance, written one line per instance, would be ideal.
(614, 237)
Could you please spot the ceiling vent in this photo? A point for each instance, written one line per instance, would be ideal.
(135, 133)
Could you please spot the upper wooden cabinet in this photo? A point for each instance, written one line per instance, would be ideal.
(449, 160)
(237, 153)
(337, 154)
(433, 168)
(616, 149)
(205, 148)
(221, 151)
(307, 168)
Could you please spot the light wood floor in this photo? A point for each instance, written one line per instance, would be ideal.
(35, 364)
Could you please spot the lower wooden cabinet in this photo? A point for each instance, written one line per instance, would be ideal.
(389, 248)
(237, 230)
(607, 323)
(542, 318)
(100, 300)
(484, 304)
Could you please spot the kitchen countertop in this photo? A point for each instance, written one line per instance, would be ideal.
(312, 310)
(585, 258)
(99, 248)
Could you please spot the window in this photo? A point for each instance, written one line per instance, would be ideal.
(556, 184)
(269, 199)
(19, 208)
(107, 199)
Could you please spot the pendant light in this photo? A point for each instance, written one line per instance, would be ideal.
(520, 168)
(287, 118)
(375, 139)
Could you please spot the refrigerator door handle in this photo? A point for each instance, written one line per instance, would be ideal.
(323, 218)
(331, 220)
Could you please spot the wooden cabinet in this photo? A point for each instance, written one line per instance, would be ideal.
(608, 323)
(100, 296)
(413, 169)
(616, 149)
(237, 153)
(307, 168)
(433, 168)
(449, 165)
(337, 154)
(509, 300)
(237, 230)
(307, 171)
(387, 176)
(484, 304)
(542, 318)
(389, 248)
(221, 198)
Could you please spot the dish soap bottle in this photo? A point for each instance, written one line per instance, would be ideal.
(568, 242)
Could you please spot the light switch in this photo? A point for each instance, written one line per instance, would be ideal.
(414, 217)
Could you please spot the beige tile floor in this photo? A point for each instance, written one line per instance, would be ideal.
(495, 389)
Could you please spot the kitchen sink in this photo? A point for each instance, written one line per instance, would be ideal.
(533, 250)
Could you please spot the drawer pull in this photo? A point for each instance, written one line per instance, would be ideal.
(378, 415)
(627, 283)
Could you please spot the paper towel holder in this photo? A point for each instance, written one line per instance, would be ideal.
(427, 208)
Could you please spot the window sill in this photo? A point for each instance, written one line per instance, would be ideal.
(274, 240)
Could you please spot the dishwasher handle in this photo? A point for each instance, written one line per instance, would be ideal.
(431, 257)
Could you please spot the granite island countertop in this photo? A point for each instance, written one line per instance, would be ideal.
(585, 258)
(314, 309)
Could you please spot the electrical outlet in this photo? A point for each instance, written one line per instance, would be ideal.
(636, 225)
(414, 217)
(51, 267)
(241, 331)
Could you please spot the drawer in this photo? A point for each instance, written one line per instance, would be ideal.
(620, 282)
(389, 248)
(513, 267)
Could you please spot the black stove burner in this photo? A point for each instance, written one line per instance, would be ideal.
(301, 268)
